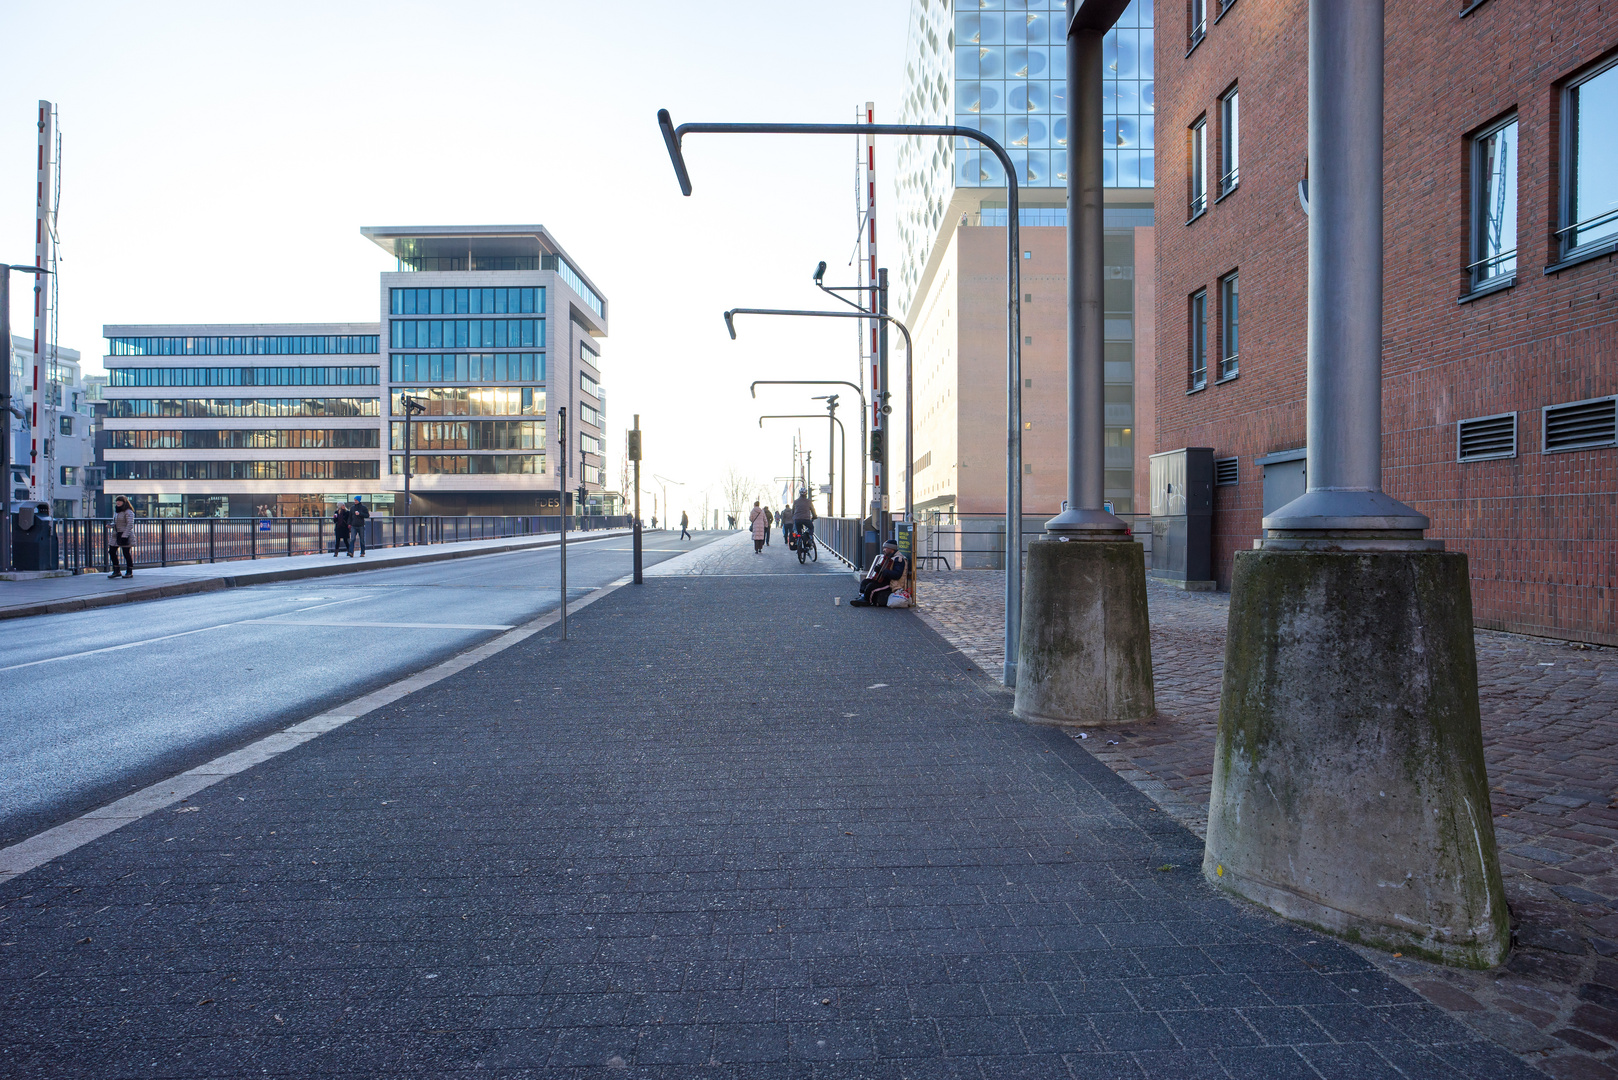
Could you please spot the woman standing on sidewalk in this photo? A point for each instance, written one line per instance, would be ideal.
(123, 537)
(342, 533)
(761, 527)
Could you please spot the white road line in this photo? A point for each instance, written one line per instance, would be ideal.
(165, 637)
(53, 843)
(384, 625)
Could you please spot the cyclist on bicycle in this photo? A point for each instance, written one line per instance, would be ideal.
(803, 515)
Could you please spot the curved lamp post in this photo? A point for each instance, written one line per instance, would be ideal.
(674, 138)
(859, 391)
(842, 432)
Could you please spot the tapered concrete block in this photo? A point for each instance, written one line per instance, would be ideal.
(1086, 647)
(1349, 788)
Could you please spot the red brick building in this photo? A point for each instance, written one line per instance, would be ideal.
(1500, 349)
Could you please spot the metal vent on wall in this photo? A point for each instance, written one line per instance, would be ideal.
(1227, 471)
(1484, 437)
(1579, 425)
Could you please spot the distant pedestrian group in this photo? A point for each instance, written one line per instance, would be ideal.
(348, 522)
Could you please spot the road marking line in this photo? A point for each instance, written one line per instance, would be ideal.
(385, 625)
(53, 843)
(165, 637)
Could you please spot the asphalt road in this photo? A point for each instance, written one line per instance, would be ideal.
(101, 703)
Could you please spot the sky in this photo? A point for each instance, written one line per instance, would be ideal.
(219, 160)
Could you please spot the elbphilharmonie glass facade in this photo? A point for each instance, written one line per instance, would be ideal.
(1000, 66)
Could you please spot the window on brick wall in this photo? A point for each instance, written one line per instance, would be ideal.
(1197, 21)
(1494, 205)
(1229, 141)
(1229, 326)
(1197, 148)
(1199, 339)
(1590, 163)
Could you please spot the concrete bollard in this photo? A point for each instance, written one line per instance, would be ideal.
(1349, 786)
(1086, 644)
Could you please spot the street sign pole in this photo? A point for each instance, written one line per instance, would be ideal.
(561, 500)
(634, 455)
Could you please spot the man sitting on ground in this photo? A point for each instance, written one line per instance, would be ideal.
(887, 573)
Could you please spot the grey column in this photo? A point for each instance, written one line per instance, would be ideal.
(1086, 406)
(1344, 493)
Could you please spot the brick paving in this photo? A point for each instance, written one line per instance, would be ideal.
(1550, 727)
(727, 830)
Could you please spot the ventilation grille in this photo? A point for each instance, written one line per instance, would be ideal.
(1227, 471)
(1485, 437)
(1581, 424)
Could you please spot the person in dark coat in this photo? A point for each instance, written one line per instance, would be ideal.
(341, 532)
(122, 538)
(887, 573)
(358, 515)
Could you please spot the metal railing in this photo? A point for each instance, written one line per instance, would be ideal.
(81, 543)
(954, 541)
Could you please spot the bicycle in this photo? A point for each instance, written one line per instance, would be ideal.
(804, 544)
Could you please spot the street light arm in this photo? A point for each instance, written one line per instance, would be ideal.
(730, 325)
(894, 319)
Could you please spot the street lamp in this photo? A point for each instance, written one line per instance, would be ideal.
(910, 411)
(674, 137)
(753, 389)
(841, 431)
(664, 483)
(7, 409)
(831, 410)
(412, 406)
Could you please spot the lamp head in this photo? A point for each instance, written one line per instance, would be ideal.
(730, 324)
(820, 272)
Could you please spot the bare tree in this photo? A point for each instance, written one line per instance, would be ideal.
(737, 490)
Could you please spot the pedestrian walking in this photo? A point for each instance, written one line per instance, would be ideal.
(123, 538)
(358, 515)
(759, 525)
(769, 522)
(685, 524)
(341, 532)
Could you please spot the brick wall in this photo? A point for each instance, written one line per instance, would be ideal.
(1541, 530)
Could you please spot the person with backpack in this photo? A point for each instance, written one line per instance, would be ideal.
(358, 515)
(341, 531)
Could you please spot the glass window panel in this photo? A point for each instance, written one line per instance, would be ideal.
(488, 301)
(1039, 27)
(1017, 63)
(966, 64)
(1148, 132)
(1129, 168)
(477, 302)
(460, 367)
(500, 368)
(1146, 41)
(528, 367)
(408, 298)
(1109, 168)
(500, 301)
(410, 367)
(991, 63)
(1595, 169)
(1109, 54)
(436, 371)
(435, 334)
(1128, 54)
(527, 300)
(435, 300)
(1128, 96)
(1016, 28)
(991, 28)
(967, 28)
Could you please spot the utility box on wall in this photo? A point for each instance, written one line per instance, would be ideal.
(1182, 517)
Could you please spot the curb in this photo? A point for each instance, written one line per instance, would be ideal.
(236, 581)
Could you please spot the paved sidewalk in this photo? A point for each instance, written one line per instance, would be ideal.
(1550, 726)
(80, 592)
(728, 829)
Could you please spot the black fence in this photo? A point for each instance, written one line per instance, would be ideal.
(951, 541)
(81, 543)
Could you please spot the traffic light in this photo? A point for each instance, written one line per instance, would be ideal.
(876, 445)
(634, 444)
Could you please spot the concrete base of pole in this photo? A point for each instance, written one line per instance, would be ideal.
(1349, 788)
(1086, 645)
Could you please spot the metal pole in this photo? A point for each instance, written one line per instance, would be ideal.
(1084, 515)
(884, 410)
(635, 446)
(561, 488)
(5, 413)
(1344, 497)
(831, 462)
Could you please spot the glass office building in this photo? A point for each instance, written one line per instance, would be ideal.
(1000, 66)
(487, 328)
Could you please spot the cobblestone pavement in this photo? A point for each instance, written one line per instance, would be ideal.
(727, 830)
(1550, 728)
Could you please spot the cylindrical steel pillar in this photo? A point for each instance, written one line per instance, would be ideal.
(1084, 514)
(1344, 497)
